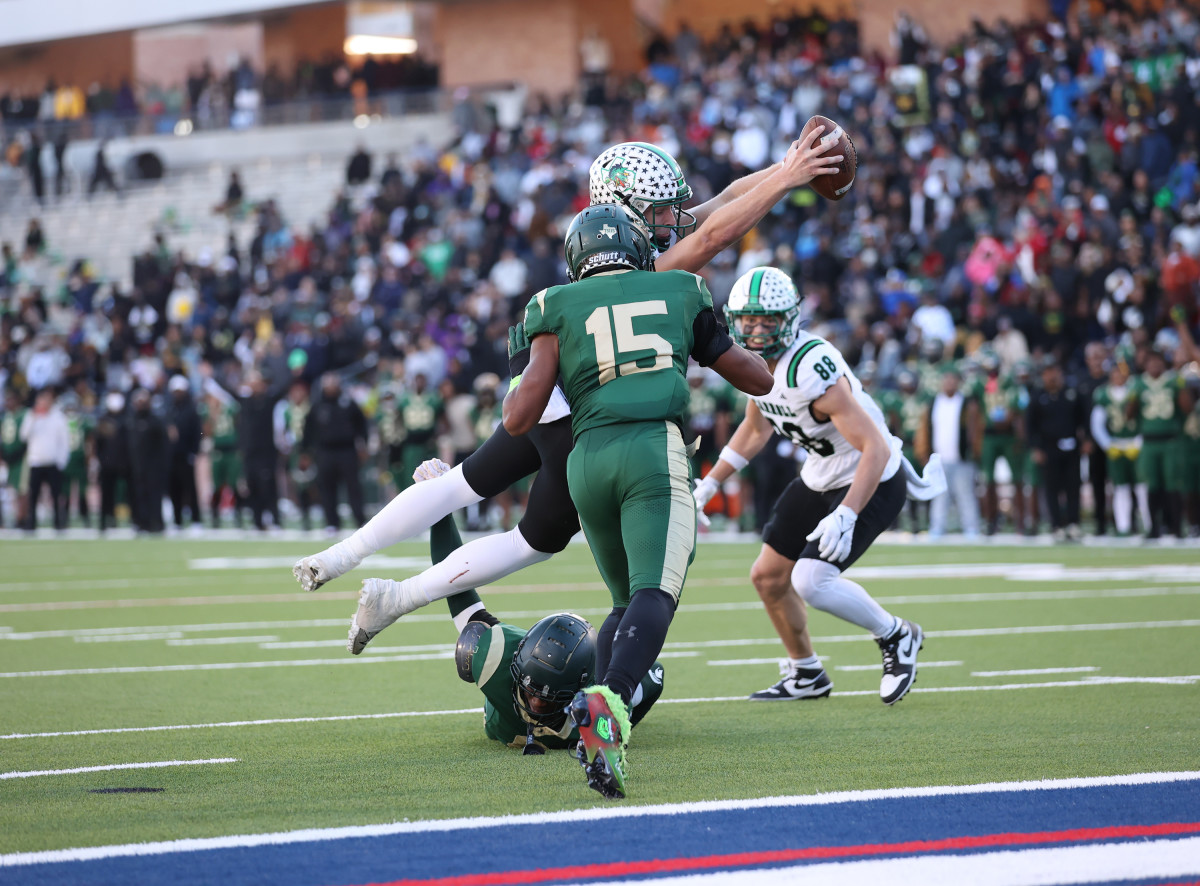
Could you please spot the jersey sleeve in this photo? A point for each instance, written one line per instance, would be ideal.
(489, 665)
(539, 315)
(814, 368)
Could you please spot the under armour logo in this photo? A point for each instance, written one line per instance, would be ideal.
(628, 632)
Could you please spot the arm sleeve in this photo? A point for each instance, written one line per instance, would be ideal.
(709, 338)
(1099, 430)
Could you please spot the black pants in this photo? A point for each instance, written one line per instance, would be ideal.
(772, 474)
(339, 467)
(1060, 481)
(147, 491)
(109, 477)
(263, 489)
(48, 475)
(1098, 478)
(181, 487)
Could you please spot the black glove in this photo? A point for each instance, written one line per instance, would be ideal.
(518, 350)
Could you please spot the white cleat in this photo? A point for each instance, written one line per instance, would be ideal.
(381, 602)
(900, 661)
(331, 563)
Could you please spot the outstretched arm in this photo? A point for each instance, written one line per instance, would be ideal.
(731, 221)
(747, 441)
(527, 401)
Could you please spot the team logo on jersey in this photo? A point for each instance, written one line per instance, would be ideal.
(619, 177)
(608, 231)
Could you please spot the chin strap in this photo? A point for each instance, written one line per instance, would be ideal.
(532, 747)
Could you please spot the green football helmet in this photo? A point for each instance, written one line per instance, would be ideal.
(553, 661)
(606, 237)
(645, 178)
(764, 297)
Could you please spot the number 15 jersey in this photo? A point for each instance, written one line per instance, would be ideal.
(804, 372)
(624, 338)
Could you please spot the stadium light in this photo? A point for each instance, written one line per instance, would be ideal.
(365, 44)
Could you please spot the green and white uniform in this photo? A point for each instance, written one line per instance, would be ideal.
(221, 422)
(419, 415)
(1000, 403)
(624, 340)
(12, 448)
(490, 665)
(1189, 460)
(1161, 424)
(1120, 438)
(804, 372)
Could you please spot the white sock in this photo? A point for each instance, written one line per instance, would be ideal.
(1123, 508)
(809, 663)
(414, 510)
(460, 620)
(476, 564)
(1143, 503)
(821, 585)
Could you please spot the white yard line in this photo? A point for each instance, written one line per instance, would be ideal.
(221, 641)
(875, 667)
(596, 813)
(1031, 672)
(1187, 680)
(158, 765)
(229, 665)
(127, 638)
(1096, 863)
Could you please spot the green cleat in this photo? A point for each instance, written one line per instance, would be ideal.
(603, 723)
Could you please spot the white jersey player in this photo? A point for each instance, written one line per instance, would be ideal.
(851, 488)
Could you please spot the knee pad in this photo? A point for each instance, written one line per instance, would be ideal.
(812, 578)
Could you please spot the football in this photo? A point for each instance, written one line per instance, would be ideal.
(838, 185)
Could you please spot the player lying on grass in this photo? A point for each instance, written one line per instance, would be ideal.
(851, 488)
(621, 336)
(529, 682)
(649, 182)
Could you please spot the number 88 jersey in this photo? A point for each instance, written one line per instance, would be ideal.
(804, 372)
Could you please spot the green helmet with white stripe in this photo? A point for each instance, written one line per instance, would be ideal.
(646, 179)
(763, 311)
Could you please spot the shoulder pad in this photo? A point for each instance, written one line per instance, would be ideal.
(468, 645)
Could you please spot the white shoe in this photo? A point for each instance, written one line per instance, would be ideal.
(899, 661)
(331, 563)
(381, 602)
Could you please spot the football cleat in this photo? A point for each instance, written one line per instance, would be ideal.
(381, 602)
(797, 683)
(899, 661)
(603, 723)
(333, 562)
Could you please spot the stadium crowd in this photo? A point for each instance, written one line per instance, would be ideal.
(1024, 233)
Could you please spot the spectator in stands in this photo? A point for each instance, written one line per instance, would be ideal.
(358, 170)
(232, 204)
(48, 446)
(102, 174)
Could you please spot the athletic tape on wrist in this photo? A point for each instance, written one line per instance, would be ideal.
(512, 384)
(734, 458)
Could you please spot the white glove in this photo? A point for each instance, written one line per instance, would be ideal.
(705, 490)
(430, 470)
(836, 533)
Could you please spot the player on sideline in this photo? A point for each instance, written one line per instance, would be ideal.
(851, 488)
(648, 181)
(621, 337)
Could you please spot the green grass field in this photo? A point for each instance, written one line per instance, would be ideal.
(74, 613)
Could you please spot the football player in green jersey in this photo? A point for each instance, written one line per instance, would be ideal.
(904, 409)
(75, 476)
(1159, 400)
(421, 414)
(621, 337)
(219, 419)
(1000, 415)
(1189, 445)
(12, 450)
(1115, 432)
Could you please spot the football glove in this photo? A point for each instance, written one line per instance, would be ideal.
(705, 490)
(430, 470)
(836, 534)
(518, 350)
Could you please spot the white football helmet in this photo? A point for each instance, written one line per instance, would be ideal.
(644, 178)
(765, 298)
